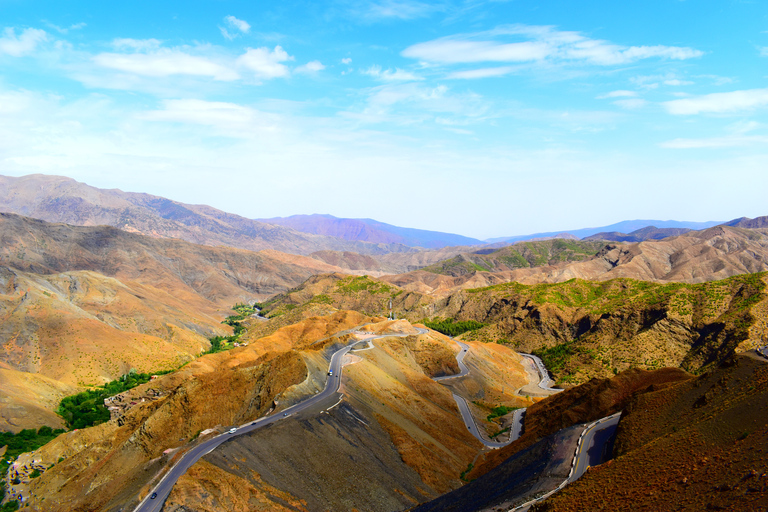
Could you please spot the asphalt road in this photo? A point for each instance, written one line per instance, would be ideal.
(163, 489)
(545, 382)
(594, 446)
(466, 415)
(463, 370)
(591, 450)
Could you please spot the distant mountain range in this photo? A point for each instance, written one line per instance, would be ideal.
(61, 199)
(369, 230)
(626, 226)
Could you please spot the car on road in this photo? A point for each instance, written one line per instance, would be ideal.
(330, 372)
(233, 430)
(285, 414)
(154, 495)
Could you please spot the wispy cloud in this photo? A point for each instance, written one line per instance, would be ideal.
(631, 103)
(539, 43)
(618, 94)
(472, 74)
(65, 30)
(24, 43)
(730, 141)
(233, 26)
(719, 103)
(395, 9)
(387, 75)
(453, 51)
(346, 61)
(136, 44)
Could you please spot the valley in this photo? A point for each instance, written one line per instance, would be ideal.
(342, 363)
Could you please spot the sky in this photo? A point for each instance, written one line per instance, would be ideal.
(483, 118)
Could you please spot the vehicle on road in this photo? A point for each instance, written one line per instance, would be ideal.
(285, 414)
(233, 430)
(330, 372)
(154, 495)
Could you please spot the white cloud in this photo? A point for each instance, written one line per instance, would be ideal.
(266, 63)
(311, 67)
(165, 62)
(763, 51)
(387, 75)
(24, 43)
(719, 103)
(472, 74)
(240, 25)
(235, 25)
(346, 61)
(618, 94)
(543, 43)
(676, 82)
(631, 104)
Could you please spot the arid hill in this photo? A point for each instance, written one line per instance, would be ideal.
(60, 199)
(84, 305)
(394, 421)
(639, 235)
(222, 275)
(697, 445)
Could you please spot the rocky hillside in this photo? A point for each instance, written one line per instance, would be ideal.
(219, 274)
(698, 445)
(60, 199)
(582, 329)
(84, 305)
(520, 255)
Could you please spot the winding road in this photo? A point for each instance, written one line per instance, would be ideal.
(591, 450)
(163, 489)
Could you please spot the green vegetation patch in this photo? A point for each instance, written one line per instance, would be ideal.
(362, 283)
(26, 441)
(87, 409)
(222, 343)
(608, 296)
(450, 327)
(555, 358)
(500, 411)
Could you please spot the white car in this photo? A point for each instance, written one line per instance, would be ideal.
(233, 430)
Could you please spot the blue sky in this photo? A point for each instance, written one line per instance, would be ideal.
(485, 118)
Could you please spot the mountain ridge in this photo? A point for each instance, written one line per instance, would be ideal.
(62, 199)
(370, 230)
